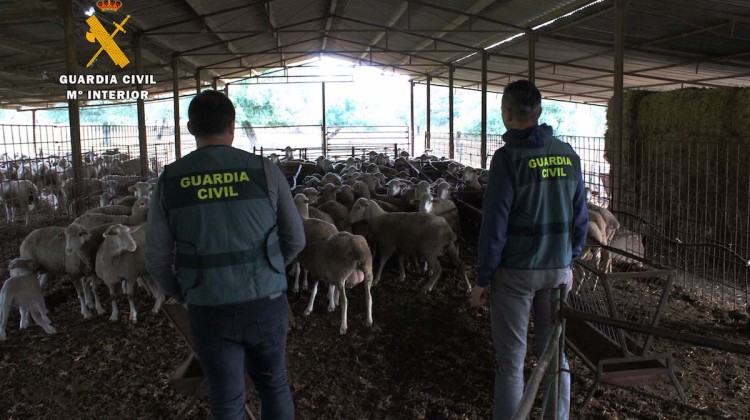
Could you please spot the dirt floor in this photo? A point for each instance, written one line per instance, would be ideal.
(429, 356)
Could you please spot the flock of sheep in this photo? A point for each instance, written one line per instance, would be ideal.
(353, 210)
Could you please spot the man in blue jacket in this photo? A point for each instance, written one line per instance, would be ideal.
(226, 220)
(534, 225)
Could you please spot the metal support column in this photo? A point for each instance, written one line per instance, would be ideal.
(411, 116)
(142, 142)
(532, 55)
(215, 84)
(73, 111)
(176, 100)
(451, 141)
(323, 118)
(483, 151)
(617, 107)
(197, 81)
(33, 132)
(226, 89)
(427, 125)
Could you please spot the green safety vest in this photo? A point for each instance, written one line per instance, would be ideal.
(540, 226)
(224, 226)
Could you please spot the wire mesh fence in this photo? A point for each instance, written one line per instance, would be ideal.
(36, 171)
(685, 205)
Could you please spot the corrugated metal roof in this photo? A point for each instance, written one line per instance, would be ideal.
(669, 43)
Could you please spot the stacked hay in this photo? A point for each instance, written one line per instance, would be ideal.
(683, 164)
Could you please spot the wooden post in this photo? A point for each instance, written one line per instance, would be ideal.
(617, 108)
(427, 125)
(142, 141)
(411, 116)
(323, 118)
(176, 100)
(483, 151)
(532, 55)
(73, 111)
(451, 140)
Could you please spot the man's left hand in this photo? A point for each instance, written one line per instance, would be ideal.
(479, 295)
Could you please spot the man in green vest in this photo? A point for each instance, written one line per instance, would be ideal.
(221, 230)
(534, 225)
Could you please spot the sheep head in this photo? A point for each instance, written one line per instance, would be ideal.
(120, 238)
(75, 236)
(364, 209)
(20, 266)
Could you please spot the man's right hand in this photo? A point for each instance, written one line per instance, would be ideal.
(479, 295)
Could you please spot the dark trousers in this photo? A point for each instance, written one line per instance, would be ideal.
(248, 337)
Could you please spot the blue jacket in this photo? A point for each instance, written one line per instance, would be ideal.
(534, 207)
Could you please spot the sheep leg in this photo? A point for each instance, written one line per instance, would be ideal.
(437, 270)
(314, 292)
(87, 293)
(6, 302)
(344, 306)
(331, 297)
(296, 270)
(453, 253)
(42, 320)
(305, 285)
(97, 302)
(78, 284)
(129, 286)
(115, 313)
(43, 280)
(401, 271)
(368, 302)
(385, 254)
(24, 312)
(158, 294)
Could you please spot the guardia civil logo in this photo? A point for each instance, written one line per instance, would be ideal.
(97, 33)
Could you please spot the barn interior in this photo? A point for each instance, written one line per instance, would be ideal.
(672, 74)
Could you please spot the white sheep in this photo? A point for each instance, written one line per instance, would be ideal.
(116, 262)
(305, 211)
(46, 247)
(315, 230)
(18, 194)
(419, 235)
(343, 260)
(470, 177)
(23, 290)
(441, 207)
(139, 215)
(141, 189)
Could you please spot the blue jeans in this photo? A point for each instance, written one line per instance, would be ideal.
(512, 295)
(248, 337)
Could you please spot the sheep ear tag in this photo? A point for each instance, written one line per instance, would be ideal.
(134, 229)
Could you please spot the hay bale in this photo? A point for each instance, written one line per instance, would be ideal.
(630, 104)
(741, 115)
(688, 115)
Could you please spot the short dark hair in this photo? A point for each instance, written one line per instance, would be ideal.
(210, 112)
(523, 99)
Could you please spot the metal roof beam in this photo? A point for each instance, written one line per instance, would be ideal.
(392, 21)
(253, 35)
(279, 62)
(27, 47)
(462, 17)
(684, 8)
(272, 27)
(196, 6)
(471, 13)
(469, 48)
(269, 50)
(329, 22)
(204, 16)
